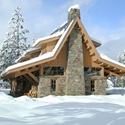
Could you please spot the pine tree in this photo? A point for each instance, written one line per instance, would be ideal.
(15, 43)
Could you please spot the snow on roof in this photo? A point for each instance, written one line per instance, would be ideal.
(47, 37)
(76, 6)
(57, 32)
(41, 57)
(111, 60)
(95, 40)
(62, 28)
(27, 51)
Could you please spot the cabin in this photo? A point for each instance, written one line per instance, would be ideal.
(64, 63)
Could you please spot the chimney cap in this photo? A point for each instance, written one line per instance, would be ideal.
(73, 11)
(76, 6)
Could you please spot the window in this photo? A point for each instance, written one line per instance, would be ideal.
(53, 70)
(53, 85)
(92, 86)
(89, 71)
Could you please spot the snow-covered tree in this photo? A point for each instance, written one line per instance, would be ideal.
(15, 42)
(121, 57)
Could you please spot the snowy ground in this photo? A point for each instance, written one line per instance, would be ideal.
(7, 91)
(62, 110)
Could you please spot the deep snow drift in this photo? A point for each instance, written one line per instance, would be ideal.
(62, 110)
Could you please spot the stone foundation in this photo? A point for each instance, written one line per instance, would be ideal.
(61, 86)
(99, 85)
(44, 87)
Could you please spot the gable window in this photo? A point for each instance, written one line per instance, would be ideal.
(48, 70)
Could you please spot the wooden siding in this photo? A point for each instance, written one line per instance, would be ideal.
(61, 59)
(48, 47)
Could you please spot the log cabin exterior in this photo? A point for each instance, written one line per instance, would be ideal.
(64, 63)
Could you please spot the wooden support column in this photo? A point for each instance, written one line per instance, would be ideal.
(102, 72)
(14, 86)
(64, 70)
(41, 70)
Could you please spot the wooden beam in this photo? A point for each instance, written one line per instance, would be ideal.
(26, 71)
(111, 73)
(101, 64)
(92, 54)
(120, 70)
(86, 41)
(28, 78)
(88, 47)
(33, 77)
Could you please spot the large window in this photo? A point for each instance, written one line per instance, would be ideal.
(90, 71)
(53, 70)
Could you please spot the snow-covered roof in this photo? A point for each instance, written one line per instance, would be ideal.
(93, 39)
(27, 51)
(40, 57)
(111, 60)
(45, 38)
(57, 32)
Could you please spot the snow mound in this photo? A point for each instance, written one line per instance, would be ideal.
(5, 97)
(51, 99)
(24, 99)
(7, 91)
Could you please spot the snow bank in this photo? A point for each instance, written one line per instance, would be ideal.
(7, 91)
(62, 110)
(115, 90)
(5, 97)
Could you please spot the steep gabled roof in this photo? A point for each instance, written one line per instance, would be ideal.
(42, 58)
(109, 67)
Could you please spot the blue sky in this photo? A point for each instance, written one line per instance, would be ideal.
(104, 20)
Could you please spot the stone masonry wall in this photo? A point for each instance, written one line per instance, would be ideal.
(61, 86)
(99, 83)
(74, 75)
(44, 87)
(100, 86)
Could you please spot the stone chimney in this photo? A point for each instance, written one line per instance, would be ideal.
(75, 84)
(73, 11)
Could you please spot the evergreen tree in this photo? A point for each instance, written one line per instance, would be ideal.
(121, 57)
(15, 43)
(121, 81)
